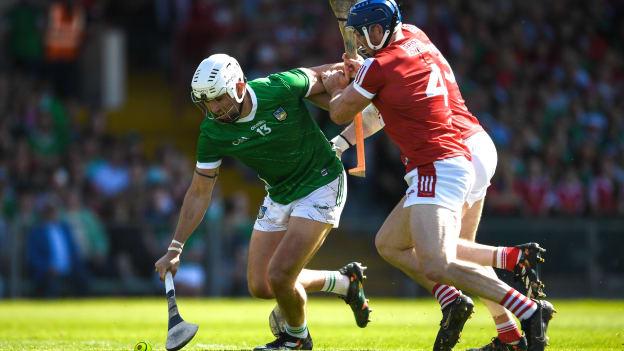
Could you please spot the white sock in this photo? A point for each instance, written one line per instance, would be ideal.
(336, 283)
(300, 332)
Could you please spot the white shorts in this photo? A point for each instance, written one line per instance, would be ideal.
(445, 183)
(484, 160)
(324, 205)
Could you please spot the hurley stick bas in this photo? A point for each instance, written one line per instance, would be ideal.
(341, 11)
(179, 332)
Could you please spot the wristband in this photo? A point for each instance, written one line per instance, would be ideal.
(172, 248)
(174, 241)
(341, 142)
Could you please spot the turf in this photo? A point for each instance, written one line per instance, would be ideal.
(117, 324)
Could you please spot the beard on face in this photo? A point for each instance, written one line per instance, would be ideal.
(232, 114)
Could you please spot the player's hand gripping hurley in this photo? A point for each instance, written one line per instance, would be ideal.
(179, 332)
(341, 11)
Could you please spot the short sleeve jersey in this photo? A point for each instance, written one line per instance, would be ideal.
(406, 83)
(278, 139)
(463, 120)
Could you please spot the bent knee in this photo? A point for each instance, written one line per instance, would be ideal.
(280, 279)
(384, 250)
(386, 247)
(261, 290)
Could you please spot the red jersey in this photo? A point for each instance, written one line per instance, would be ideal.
(571, 197)
(463, 120)
(405, 82)
(602, 195)
(535, 193)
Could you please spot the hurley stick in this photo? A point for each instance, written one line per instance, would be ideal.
(179, 332)
(341, 11)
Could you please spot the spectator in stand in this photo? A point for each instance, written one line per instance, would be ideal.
(238, 226)
(503, 200)
(570, 195)
(111, 176)
(53, 256)
(65, 32)
(88, 232)
(25, 42)
(602, 190)
(535, 189)
(546, 87)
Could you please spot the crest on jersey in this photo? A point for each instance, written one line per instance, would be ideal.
(280, 114)
(262, 212)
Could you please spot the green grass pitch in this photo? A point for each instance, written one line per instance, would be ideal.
(235, 324)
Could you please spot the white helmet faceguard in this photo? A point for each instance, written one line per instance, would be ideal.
(215, 76)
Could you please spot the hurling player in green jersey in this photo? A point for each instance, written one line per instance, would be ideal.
(265, 124)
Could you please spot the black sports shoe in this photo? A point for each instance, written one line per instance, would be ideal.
(286, 341)
(355, 293)
(535, 327)
(527, 270)
(454, 316)
(498, 345)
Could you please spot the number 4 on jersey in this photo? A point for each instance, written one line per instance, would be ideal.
(436, 85)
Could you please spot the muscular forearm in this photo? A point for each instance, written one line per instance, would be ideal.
(320, 100)
(371, 123)
(318, 70)
(334, 107)
(193, 209)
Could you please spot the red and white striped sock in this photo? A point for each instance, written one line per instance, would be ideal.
(508, 332)
(445, 294)
(507, 257)
(518, 304)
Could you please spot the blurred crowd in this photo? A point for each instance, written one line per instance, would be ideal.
(78, 202)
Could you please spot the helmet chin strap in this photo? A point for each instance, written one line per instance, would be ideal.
(381, 44)
(384, 40)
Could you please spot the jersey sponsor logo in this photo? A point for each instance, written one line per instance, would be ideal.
(280, 114)
(262, 212)
(414, 47)
(321, 207)
(426, 181)
(239, 141)
(262, 128)
(257, 124)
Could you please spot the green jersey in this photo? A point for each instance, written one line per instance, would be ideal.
(278, 139)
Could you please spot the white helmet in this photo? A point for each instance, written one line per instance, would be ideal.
(215, 76)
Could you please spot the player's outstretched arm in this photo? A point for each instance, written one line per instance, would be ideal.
(318, 95)
(320, 100)
(315, 73)
(194, 206)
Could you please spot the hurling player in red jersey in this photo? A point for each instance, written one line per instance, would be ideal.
(412, 86)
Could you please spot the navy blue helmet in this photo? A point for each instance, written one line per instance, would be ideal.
(368, 12)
